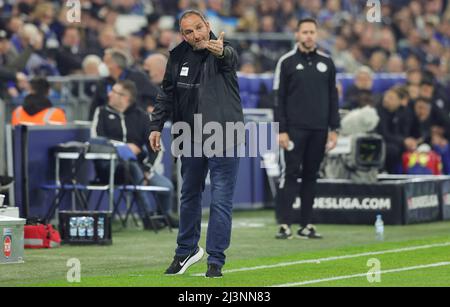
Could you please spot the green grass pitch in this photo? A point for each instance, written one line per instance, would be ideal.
(414, 255)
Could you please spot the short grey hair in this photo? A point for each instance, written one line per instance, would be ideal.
(118, 57)
(365, 70)
(91, 59)
(191, 12)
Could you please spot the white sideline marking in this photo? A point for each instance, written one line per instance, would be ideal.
(411, 268)
(283, 264)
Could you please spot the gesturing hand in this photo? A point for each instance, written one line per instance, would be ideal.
(155, 141)
(216, 46)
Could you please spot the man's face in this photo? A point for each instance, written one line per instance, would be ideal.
(391, 101)
(71, 38)
(364, 81)
(414, 77)
(154, 69)
(422, 110)
(426, 90)
(413, 91)
(195, 31)
(307, 35)
(109, 62)
(117, 97)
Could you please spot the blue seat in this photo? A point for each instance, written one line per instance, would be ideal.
(244, 84)
(268, 82)
(255, 85)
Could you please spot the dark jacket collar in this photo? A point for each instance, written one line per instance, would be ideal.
(305, 54)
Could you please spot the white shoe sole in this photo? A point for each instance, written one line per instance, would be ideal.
(197, 257)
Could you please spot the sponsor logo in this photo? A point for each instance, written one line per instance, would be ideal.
(182, 263)
(348, 203)
(300, 67)
(421, 202)
(322, 67)
(7, 243)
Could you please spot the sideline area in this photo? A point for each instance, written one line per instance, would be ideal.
(139, 258)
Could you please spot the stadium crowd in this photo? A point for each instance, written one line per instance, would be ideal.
(116, 39)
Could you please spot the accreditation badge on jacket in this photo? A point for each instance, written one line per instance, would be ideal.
(184, 71)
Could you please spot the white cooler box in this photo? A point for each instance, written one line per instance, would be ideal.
(9, 211)
(11, 240)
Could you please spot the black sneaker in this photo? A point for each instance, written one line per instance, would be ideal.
(284, 233)
(308, 232)
(181, 264)
(214, 271)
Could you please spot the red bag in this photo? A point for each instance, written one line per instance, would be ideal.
(41, 236)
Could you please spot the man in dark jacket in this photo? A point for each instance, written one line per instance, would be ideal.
(395, 128)
(124, 121)
(117, 64)
(307, 109)
(70, 55)
(201, 80)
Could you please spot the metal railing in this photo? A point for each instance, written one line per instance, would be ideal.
(69, 93)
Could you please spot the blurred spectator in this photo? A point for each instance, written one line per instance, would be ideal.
(43, 17)
(414, 76)
(155, 67)
(395, 128)
(395, 64)
(343, 57)
(136, 47)
(37, 109)
(70, 55)
(91, 65)
(432, 92)
(428, 121)
(377, 61)
(121, 43)
(106, 40)
(11, 62)
(91, 68)
(270, 51)
(363, 85)
(118, 69)
(247, 63)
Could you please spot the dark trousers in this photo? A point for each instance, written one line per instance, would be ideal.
(302, 162)
(223, 175)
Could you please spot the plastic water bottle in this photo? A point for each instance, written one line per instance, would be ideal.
(101, 227)
(73, 227)
(379, 228)
(90, 227)
(82, 226)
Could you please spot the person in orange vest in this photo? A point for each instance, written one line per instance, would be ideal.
(37, 109)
